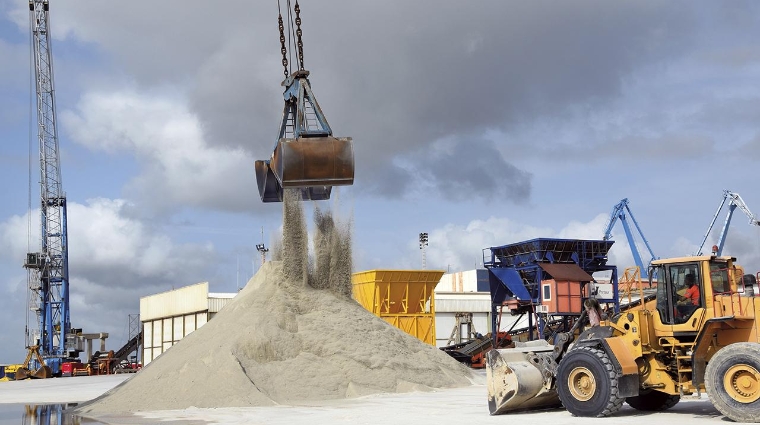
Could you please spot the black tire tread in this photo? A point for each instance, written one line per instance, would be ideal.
(615, 401)
(730, 355)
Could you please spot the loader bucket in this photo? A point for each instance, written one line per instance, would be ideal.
(314, 161)
(270, 189)
(521, 378)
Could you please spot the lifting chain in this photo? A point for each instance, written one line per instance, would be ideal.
(282, 45)
(297, 9)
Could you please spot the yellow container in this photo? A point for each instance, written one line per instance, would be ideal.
(8, 372)
(403, 298)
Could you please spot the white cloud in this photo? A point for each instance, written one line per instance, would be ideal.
(178, 168)
(113, 261)
(454, 247)
(108, 247)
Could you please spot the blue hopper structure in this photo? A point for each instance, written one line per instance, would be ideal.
(548, 280)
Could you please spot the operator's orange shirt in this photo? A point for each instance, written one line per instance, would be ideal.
(693, 294)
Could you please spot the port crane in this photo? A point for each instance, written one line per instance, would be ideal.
(306, 155)
(619, 213)
(48, 269)
(734, 201)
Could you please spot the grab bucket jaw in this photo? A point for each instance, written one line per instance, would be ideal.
(521, 378)
(314, 161)
(270, 189)
(314, 164)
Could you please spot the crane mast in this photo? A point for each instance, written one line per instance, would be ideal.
(47, 270)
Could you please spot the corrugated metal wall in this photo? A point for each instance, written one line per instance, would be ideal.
(216, 302)
(160, 334)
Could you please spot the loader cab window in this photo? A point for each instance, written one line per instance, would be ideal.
(719, 278)
(679, 292)
(663, 300)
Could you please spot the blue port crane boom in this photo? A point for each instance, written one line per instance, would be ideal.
(619, 212)
(734, 201)
(48, 270)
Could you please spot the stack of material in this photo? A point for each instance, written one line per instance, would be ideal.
(284, 340)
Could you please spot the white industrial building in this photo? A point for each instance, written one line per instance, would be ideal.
(170, 316)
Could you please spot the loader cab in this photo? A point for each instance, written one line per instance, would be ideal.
(676, 302)
(680, 291)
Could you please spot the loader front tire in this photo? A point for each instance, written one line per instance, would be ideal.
(653, 401)
(587, 383)
(732, 380)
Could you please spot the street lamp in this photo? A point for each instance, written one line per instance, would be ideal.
(263, 250)
(423, 244)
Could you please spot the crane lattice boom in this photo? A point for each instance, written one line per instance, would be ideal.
(734, 201)
(619, 212)
(47, 276)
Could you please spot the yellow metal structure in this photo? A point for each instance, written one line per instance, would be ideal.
(403, 298)
(8, 372)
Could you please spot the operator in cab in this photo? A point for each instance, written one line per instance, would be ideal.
(689, 301)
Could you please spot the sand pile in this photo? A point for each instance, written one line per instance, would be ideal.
(291, 336)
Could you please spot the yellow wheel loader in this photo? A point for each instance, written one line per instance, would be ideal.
(700, 332)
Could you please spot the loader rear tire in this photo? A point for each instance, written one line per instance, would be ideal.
(732, 380)
(653, 401)
(587, 383)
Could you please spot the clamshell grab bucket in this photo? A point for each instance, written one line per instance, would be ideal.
(306, 155)
(314, 161)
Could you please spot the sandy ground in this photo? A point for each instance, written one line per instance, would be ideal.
(458, 405)
(58, 390)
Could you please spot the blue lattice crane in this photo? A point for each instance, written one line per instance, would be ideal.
(619, 213)
(734, 200)
(48, 269)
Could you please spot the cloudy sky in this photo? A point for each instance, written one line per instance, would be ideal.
(481, 123)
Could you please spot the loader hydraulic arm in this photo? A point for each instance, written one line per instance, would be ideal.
(563, 340)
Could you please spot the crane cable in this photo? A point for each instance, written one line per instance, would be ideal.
(32, 92)
(296, 34)
(283, 50)
(299, 42)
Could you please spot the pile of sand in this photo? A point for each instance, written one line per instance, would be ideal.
(292, 335)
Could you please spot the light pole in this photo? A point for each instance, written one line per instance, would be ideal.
(423, 244)
(263, 250)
